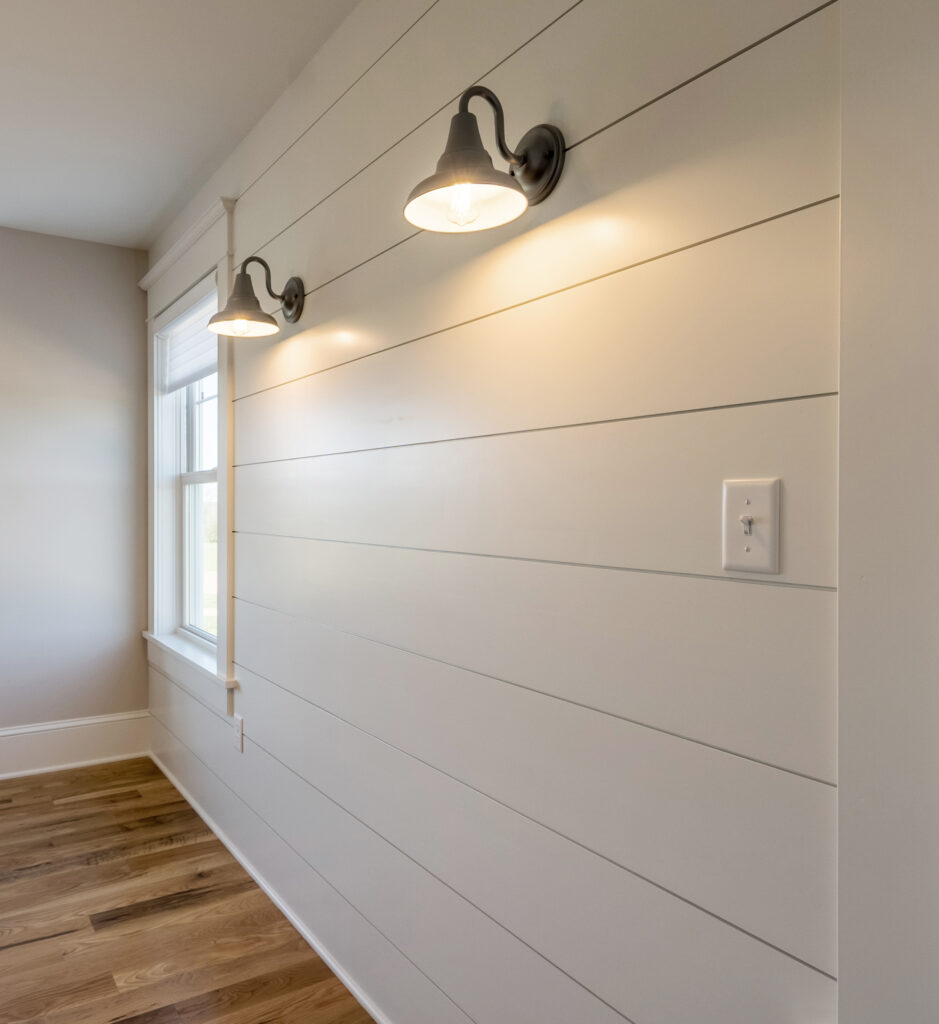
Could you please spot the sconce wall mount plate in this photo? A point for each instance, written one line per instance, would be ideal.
(466, 193)
(543, 147)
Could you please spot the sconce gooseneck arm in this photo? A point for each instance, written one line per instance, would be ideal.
(514, 159)
(267, 274)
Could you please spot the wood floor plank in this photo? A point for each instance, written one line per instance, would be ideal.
(119, 906)
(252, 993)
(325, 1003)
(67, 995)
(103, 885)
(63, 935)
(95, 834)
(186, 985)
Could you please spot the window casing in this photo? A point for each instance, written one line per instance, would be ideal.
(185, 548)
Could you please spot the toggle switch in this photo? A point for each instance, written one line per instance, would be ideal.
(751, 525)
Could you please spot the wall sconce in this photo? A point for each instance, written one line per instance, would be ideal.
(466, 193)
(243, 317)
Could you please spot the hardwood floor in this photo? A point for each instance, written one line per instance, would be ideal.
(117, 904)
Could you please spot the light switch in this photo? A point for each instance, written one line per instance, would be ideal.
(751, 525)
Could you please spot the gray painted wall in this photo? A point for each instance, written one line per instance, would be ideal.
(73, 518)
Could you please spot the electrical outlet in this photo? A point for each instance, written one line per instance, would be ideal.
(239, 733)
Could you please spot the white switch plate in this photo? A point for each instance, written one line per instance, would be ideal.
(239, 730)
(757, 551)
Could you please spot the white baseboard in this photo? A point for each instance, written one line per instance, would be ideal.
(73, 743)
(313, 940)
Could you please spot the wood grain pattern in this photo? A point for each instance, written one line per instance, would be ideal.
(118, 904)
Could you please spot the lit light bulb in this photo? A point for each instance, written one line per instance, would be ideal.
(462, 210)
(240, 327)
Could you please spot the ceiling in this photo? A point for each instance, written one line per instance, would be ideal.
(113, 112)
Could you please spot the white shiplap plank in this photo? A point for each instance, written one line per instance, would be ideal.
(667, 651)
(381, 977)
(203, 685)
(642, 493)
(445, 936)
(419, 74)
(754, 138)
(707, 825)
(358, 42)
(758, 320)
(624, 938)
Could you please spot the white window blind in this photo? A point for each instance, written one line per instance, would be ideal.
(190, 350)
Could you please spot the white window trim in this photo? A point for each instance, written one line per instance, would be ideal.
(166, 627)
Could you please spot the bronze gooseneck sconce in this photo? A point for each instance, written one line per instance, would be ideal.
(466, 193)
(243, 317)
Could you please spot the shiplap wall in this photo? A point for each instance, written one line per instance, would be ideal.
(517, 748)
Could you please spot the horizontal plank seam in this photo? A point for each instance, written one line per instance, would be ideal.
(701, 74)
(530, 689)
(543, 561)
(536, 298)
(443, 882)
(416, 128)
(290, 846)
(594, 134)
(418, 864)
(527, 817)
(195, 696)
(540, 430)
(341, 96)
(300, 926)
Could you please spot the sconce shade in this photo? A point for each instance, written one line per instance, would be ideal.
(243, 317)
(466, 193)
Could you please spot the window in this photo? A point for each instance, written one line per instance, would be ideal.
(185, 456)
(199, 492)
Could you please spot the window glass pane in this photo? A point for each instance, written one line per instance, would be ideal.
(204, 423)
(202, 557)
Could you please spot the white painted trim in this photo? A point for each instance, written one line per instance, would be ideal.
(186, 241)
(324, 954)
(225, 650)
(201, 656)
(72, 743)
(71, 723)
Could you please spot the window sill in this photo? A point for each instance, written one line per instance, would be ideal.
(200, 656)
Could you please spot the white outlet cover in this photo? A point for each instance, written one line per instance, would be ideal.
(757, 551)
